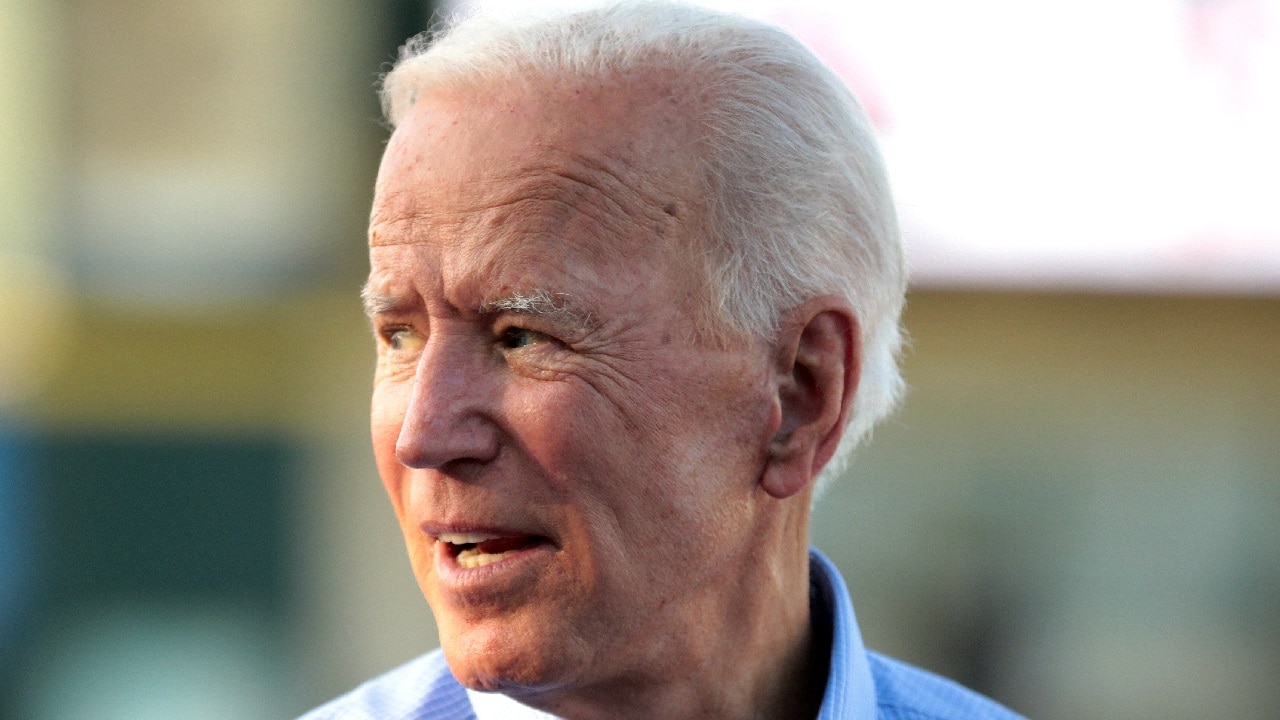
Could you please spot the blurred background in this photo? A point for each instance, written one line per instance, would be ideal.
(1077, 511)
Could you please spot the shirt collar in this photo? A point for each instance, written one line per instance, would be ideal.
(851, 692)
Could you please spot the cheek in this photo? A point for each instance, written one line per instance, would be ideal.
(564, 428)
(385, 419)
(635, 469)
(711, 446)
(597, 458)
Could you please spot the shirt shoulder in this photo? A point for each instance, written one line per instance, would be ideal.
(422, 689)
(905, 692)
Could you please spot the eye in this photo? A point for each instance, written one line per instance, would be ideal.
(401, 338)
(514, 338)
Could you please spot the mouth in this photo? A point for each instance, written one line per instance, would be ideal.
(470, 550)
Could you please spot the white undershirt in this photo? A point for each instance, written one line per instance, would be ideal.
(496, 706)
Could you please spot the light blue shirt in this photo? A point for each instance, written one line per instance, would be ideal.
(861, 685)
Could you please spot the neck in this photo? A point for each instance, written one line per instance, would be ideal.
(751, 654)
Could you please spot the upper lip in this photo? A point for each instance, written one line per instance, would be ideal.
(466, 538)
(464, 533)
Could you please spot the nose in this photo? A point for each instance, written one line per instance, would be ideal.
(449, 416)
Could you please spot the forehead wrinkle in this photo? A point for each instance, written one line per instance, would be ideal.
(629, 194)
(533, 202)
(651, 183)
(550, 196)
(400, 226)
(622, 191)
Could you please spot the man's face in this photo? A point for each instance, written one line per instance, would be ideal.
(574, 471)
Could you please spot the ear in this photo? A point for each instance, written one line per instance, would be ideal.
(817, 362)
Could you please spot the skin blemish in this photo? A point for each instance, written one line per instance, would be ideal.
(671, 210)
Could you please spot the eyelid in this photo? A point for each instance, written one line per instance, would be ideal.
(534, 336)
(385, 328)
(505, 326)
(559, 327)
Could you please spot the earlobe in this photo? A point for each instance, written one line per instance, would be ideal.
(817, 362)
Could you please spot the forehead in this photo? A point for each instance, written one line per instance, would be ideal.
(597, 169)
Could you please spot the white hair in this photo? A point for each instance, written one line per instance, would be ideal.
(799, 202)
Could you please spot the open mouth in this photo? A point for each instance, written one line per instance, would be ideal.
(473, 550)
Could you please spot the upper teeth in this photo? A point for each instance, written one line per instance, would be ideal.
(465, 538)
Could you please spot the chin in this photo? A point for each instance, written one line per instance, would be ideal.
(506, 658)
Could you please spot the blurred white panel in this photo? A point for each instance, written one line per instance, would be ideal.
(1079, 145)
(180, 232)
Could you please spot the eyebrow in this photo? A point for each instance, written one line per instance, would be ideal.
(555, 306)
(558, 307)
(378, 303)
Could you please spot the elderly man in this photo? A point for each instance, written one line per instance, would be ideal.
(635, 283)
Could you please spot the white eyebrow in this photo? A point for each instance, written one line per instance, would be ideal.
(377, 303)
(538, 302)
(557, 306)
